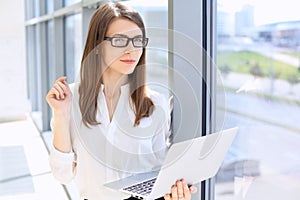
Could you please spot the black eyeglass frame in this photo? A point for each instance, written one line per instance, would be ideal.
(128, 39)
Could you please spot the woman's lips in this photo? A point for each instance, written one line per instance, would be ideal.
(128, 61)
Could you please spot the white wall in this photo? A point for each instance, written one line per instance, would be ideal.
(13, 98)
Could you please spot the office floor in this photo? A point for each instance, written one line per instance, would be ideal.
(24, 169)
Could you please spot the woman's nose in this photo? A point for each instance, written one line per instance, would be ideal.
(129, 47)
(127, 52)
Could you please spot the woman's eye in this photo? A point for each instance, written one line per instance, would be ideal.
(138, 39)
(119, 39)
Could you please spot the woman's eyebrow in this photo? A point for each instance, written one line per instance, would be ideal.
(119, 35)
(123, 35)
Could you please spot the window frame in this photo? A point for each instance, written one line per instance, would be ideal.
(203, 32)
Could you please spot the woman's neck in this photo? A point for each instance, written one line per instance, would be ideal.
(112, 83)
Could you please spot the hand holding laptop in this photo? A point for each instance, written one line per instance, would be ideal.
(180, 191)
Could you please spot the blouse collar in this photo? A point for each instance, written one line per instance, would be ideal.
(124, 88)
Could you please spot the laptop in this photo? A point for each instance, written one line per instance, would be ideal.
(193, 160)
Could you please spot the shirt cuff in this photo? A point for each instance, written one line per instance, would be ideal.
(61, 156)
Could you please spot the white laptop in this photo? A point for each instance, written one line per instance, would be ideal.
(193, 160)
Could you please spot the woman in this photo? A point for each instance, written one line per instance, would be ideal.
(109, 125)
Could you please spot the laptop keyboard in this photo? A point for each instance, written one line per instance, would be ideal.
(143, 188)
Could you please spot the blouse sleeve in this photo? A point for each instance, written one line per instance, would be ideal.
(61, 164)
(161, 139)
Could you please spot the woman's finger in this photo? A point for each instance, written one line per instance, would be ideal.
(174, 192)
(62, 79)
(186, 190)
(180, 189)
(63, 86)
(59, 89)
(193, 189)
(167, 197)
(54, 92)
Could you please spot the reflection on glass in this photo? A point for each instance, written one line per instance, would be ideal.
(259, 58)
(155, 14)
(36, 8)
(70, 2)
(50, 53)
(49, 6)
(73, 45)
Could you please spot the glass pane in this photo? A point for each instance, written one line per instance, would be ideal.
(155, 14)
(37, 10)
(258, 56)
(73, 45)
(70, 2)
(29, 9)
(32, 66)
(50, 6)
(50, 53)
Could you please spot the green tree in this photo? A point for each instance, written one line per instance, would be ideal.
(256, 71)
(225, 70)
(293, 80)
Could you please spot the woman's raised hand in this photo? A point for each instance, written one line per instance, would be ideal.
(60, 96)
(180, 191)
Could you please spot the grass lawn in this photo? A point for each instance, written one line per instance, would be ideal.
(243, 61)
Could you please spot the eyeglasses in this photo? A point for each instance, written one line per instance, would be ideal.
(138, 42)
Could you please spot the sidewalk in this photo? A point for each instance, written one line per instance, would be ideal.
(24, 169)
(244, 83)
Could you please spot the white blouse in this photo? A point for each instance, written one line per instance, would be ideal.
(113, 149)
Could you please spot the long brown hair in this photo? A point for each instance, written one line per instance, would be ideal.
(92, 69)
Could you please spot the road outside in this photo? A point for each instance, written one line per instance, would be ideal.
(267, 114)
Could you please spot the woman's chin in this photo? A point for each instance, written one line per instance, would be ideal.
(128, 71)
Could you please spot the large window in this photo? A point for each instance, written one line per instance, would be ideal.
(73, 46)
(70, 2)
(155, 16)
(50, 52)
(258, 56)
(49, 6)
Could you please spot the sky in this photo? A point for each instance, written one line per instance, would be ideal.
(266, 11)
